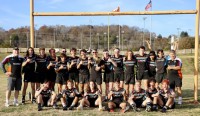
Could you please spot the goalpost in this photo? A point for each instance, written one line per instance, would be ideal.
(170, 12)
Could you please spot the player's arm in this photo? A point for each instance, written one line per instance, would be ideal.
(37, 93)
(110, 94)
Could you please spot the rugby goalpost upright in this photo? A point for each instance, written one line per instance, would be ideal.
(170, 12)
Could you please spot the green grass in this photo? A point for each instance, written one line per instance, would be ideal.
(187, 109)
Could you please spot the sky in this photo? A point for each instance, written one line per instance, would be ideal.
(16, 13)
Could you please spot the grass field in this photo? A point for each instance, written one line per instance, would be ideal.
(187, 109)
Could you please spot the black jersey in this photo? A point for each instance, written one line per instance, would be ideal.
(117, 96)
(173, 63)
(129, 66)
(119, 62)
(92, 95)
(68, 92)
(95, 63)
(51, 60)
(15, 63)
(64, 70)
(84, 67)
(152, 67)
(151, 91)
(168, 92)
(139, 95)
(142, 62)
(73, 68)
(45, 93)
(41, 64)
(108, 66)
(30, 66)
(161, 65)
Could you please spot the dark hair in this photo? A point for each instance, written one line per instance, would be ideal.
(142, 47)
(172, 51)
(159, 50)
(27, 52)
(83, 50)
(152, 53)
(117, 49)
(105, 50)
(73, 49)
(151, 80)
(51, 50)
(63, 55)
(41, 49)
(95, 86)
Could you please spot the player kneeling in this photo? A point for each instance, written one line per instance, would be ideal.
(153, 95)
(117, 98)
(69, 96)
(138, 98)
(91, 98)
(45, 96)
(167, 96)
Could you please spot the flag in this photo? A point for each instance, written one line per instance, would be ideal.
(149, 5)
(117, 9)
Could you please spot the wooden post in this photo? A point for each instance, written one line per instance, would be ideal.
(196, 63)
(31, 23)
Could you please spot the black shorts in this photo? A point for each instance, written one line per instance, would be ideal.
(160, 77)
(14, 84)
(69, 101)
(83, 78)
(174, 81)
(129, 78)
(119, 76)
(138, 102)
(40, 77)
(45, 101)
(61, 78)
(30, 77)
(142, 75)
(51, 76)
(74, 77)
(92, 102)
(96, 78)
(108, 77)
(165, 101)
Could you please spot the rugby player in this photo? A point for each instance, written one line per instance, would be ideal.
(61, 69)
(91, 98)
(45, 96)
(118, 70)
(14, 81)
(129, 73)
(117, 97)
(29, 74)
(73, 71)
(82, 66)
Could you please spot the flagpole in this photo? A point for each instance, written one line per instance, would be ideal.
(108, 31)
(151, 24)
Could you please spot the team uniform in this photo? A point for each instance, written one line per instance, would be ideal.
(160, 69)
(15, 65)
(150, 92)
(117, 97)
(142, 67)
(61, 75)
(108, 74)
(29, 70)
(83, 71)
(152, 68)
(92, 97)
(46, 95)
(69, 98)
(173, 75)
(165, 99)
(51, 74)
(41, 69)
(73, 71)
(139, 97)
(129, 73)
(95, 76)
(118, 71)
